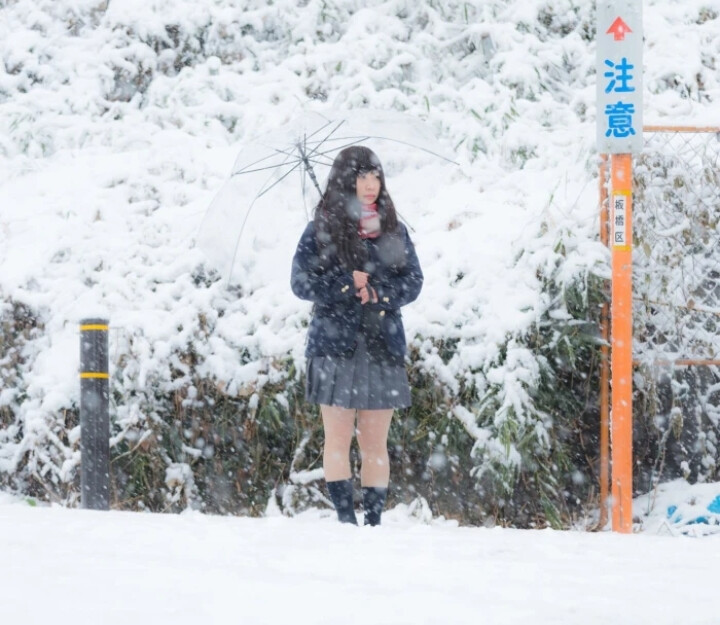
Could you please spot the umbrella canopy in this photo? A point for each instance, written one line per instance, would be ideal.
(278, 178)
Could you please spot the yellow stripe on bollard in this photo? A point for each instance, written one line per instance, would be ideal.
(94, 326)
(90, 375)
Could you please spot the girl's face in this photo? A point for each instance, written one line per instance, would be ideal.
(368, 187)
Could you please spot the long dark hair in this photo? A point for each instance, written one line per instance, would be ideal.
(338, 211)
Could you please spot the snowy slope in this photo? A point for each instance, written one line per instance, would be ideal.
(79, 567)
(119, 122)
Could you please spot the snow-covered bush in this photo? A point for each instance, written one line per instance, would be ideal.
(119, 121)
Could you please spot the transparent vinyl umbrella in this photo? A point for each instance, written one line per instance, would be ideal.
(278, 178)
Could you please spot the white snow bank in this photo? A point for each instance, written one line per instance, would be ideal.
(118, 567)
(120, 122)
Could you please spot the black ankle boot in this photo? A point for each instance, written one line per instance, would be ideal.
(373, 503)
(341, 493)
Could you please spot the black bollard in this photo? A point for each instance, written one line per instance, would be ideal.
(94, 415)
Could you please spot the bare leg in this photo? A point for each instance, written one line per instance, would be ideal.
(372, 434)
(339, 425)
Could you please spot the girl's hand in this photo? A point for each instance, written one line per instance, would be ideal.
(363, 294)
(367, 294)
(360, 279)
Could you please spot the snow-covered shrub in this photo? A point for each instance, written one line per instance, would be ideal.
(35, 444)
(118, 122)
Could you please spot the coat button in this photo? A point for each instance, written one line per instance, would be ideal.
(382, 313)
(386, 300)
(345, 288)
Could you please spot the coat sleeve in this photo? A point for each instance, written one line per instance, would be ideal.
(405, 286)
(311, 281)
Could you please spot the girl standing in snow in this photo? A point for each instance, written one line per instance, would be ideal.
(356, 263)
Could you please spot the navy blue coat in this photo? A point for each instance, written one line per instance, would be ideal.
(338, 314)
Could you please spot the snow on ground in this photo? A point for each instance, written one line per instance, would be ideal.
(75, 567)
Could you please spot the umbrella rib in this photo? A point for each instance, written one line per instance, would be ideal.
(289, 155)
(331, 133)
(288, 152)
(327, 137)
(293, 159)
(247, 215)
(306, 156)
(264, 158)
(326, 160)
(417, 147)
(312, 134)
(347, 145)
(278, 181)
(319, 162)
(314, 151)
(253, 171)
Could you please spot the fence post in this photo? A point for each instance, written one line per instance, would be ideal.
(604, 358)
(94, 415)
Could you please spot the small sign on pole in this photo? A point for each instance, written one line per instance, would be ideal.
(619, 132)
(619, 232)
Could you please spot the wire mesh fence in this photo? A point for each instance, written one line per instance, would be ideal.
(676, 305)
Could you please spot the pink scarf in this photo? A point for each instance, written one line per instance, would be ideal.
(369, 224)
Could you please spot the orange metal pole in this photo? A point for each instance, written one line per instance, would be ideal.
(604, 361)
(621, 359)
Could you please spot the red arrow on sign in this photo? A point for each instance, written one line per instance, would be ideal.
(619, 28)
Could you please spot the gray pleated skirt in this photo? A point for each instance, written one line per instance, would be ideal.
(358, 381)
